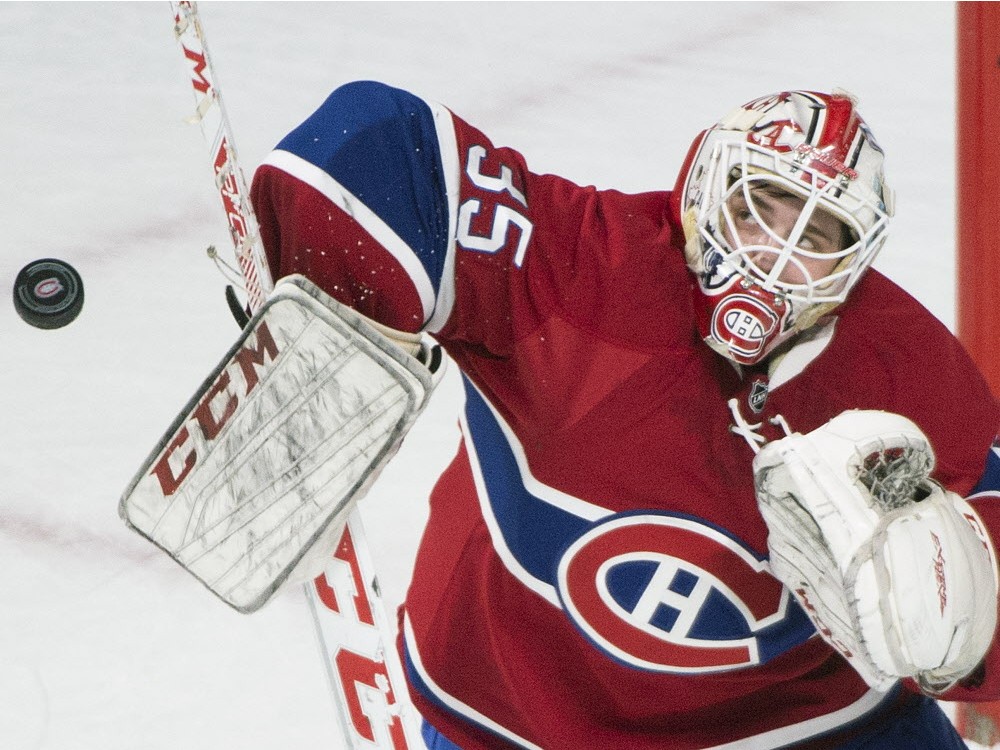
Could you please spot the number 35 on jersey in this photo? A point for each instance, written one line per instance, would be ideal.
(503, 191)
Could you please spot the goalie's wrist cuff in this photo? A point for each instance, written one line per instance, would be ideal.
(418, 346)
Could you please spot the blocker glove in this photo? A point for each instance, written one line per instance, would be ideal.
(897, 573)
(252, 484)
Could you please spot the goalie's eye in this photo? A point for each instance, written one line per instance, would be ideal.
(765, 214)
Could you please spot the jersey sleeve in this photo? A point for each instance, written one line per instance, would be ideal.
(397, 207)
(361, 198)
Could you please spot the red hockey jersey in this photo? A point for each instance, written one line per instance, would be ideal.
(594, 571)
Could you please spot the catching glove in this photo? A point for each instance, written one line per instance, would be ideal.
(897, 573)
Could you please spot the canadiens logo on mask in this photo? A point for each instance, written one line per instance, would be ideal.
(741, 321)
(744, 324)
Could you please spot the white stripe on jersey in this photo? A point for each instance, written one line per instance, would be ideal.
(337, 194)
(552, 496)
(811, 727)
(453, 703)
(780, 737)
(448, 148)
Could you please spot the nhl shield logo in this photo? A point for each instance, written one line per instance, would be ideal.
(758, 395)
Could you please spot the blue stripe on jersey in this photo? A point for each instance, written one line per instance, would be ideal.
(990, 480)
(886, 725)
(536, 532)
(434, 739)
(919, 723)
(381, 144)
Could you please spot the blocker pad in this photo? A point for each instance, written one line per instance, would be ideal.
(267, 459)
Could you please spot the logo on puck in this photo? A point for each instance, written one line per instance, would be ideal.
(48, 293)
(47, 288)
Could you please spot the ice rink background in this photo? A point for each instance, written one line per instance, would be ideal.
(105, 644)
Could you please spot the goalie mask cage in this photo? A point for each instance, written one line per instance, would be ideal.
(978, 237)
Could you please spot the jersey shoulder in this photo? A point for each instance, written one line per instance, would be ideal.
(889, 352)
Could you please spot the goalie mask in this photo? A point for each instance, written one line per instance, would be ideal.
(784, 206)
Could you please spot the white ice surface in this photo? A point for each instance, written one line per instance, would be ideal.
(105, 644)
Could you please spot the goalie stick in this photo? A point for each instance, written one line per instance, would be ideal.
(350, 620)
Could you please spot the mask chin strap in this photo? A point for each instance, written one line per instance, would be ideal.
(749, 430)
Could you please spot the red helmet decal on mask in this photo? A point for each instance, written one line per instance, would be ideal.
(744, 323)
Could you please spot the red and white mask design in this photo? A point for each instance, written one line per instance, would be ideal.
(784, 206)
(740, 321)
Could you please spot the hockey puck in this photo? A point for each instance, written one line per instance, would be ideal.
(48, 293)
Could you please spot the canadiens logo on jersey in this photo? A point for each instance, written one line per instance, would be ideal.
(673, 594)
(655, 591)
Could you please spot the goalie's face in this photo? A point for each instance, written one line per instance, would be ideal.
(780, 241)
(776, 258)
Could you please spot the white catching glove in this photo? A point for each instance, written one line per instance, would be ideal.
(896, 573)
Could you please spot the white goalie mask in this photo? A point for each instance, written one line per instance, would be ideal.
(784, 206)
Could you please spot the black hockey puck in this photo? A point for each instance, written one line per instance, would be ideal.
(48, 293)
